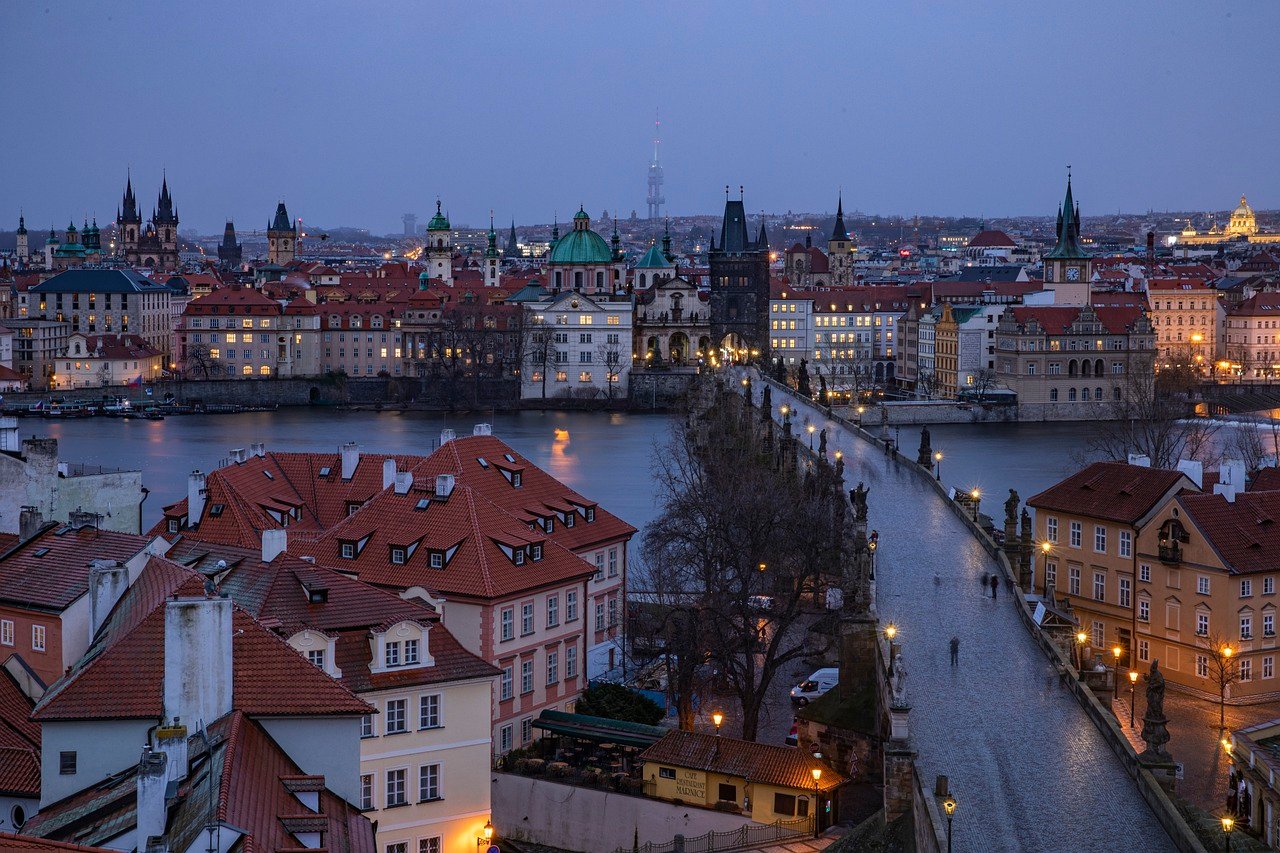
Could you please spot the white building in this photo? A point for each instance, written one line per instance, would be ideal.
(589, 353)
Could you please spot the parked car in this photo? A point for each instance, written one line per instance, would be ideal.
(815, 685)
(793, 737)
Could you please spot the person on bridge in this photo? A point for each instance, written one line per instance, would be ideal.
(995, 585)
(955, 651)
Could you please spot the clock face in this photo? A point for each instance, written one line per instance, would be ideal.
(1073, 273)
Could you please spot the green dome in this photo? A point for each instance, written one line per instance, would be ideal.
(439, 222)
(581, 245)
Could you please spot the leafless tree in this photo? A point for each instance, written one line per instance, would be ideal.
(200, 363)
(610, 353)
(1154, 420)
(984, 380)
(926, 384)
(742, 546)
(539, 348)
(1224, 670)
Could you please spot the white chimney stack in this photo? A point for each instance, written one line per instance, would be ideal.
(238, 455)
(108, 580)
(196, 481)
(1140, 459)
(258, 449)
(446, 436)
(1230, 479)
(482, 429)
(197, 659)
(388, 473)
(1194, 471)
(171, 740)
(152, 784)
(350, 453)
(444, 485)
(404, 481)
(274, 543)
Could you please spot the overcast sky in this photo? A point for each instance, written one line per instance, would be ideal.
(355, 113)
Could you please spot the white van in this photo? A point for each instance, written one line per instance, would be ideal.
(815, 685)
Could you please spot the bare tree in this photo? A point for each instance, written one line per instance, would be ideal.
(1223, 671)
(200, 363)
(1154, 419)
(984, 380)
(744, 543)
(610, 353)
(539, 348)
(926, 384)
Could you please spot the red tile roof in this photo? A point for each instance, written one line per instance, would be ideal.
(122, 677)
(784, 766)
(9, 841)
(19, 742)
(1057, 319)
(992, 239)
(1245, 533)
(1265, 304)
(255, 781)
(51, 570)
(1114, 491)
(1177, 284)
(1266, 480)
(233, 299)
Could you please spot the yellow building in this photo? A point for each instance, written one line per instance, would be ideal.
(946, 357)
(1243, 225)
(765, 782)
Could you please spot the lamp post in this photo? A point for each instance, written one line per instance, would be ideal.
(976, 496)
(891, 631)
(1228, 824)
(860, 416)
(1133, 693)
(1045, 548)
(949, 804)
(717, 718)
(811, 430)
(937, 458)
(817, 794)
(485, 836)
(1224, 671)
(1081, 636)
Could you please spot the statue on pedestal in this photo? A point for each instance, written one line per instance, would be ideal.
(1155, 724)
(822, 443)
(899, 683)
(925, 456)
(858, 497)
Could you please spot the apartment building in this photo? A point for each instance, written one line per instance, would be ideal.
(240, 332)
(106, 301)
(1253, 337)
(589, 354)
(1188, 320)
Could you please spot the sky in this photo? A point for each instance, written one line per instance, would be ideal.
(354, 113)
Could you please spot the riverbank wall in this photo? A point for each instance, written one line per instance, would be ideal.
(1159, 801)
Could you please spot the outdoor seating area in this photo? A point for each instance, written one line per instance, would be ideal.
(577, 749)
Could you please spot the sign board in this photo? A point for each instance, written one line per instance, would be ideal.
(691, 784)
(1177, 771)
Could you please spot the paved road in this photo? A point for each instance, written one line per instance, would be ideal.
(1030, 771)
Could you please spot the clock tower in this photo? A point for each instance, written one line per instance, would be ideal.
(1068, 268)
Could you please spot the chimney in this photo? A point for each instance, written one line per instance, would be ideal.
(108, 580)
(404, 480)
(238, 455)
(388, 472)
(171, 740)
(197, 659)
(195, 497)
(258, 448)
(446, 436)
(153, 783)
(29, 522)
(444, 485)
(274, 543)
(1230, 479)
(350, 453)
(482, 429)
(1194, 471)
(1140, 459)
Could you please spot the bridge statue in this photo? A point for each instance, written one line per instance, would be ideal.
(925, 455)
(899, 684)
(858, 497)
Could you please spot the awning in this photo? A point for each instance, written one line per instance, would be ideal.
(599, 729)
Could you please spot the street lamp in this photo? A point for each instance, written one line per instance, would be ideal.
(1228, 824)
(1045, 547)
(937, 457)
(1133, 693)
(891, 630)
(811, 430)
(1225, 670)
(949, 804)
(717, 718)
(1081, 636)
(817, 794)
(860, 416)
(486, 835)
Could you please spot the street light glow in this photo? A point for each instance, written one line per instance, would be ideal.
(1133, 677)
(817, 774)
(938, 456)
(1081, 637)
(1046, 547)
(891, 630)
(950, 805)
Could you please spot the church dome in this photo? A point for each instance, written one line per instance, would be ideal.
(1244, 209)
(654, 259)
(439, 222)
(581, 245)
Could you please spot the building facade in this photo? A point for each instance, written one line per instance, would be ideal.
(106, 301)
(587, 342)
(238, 332)
(1189, 320)
(739, 273)
(1252, 345)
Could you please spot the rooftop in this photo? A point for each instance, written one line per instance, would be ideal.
(784, 766)
(1115, 491)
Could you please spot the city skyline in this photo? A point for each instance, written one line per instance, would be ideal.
(911, 124)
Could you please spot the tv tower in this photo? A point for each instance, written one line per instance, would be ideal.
(655, 198)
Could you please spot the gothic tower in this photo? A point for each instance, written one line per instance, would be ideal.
(440, 247)
(24, 248)
(739, 268)
(513, 245)
(1068, 268)
(492, 266)
(166, 224)
(229, 251)
(129, 223)
(840, 250)
(282, 237)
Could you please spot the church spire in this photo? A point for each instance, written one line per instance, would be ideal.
(839, 232)
(1068, 245)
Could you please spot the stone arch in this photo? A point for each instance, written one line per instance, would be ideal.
(1072, 367)
(1086, 367)
(652, 347)
(704, 346)
(678, 347)
(1098, 368)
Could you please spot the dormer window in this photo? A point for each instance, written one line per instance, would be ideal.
(316, 657)
(549, 524)
(437, 560)
(174, 524)
(537, 552)
(517, 556)
(410, 652)
(348, 550)
(591, 514)
(515, 479)
(397, 556)
(392, 653)
(568, 520)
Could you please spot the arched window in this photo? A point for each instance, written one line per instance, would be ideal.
(264, 370)
(1085, 367)
(247, 370)
(558, 279)
(1097, 394)
(1098, 368)
(599, 279)
(1072, 367)
(1071, 395)
(577, 280)
(1116, 393)
(1053, 395)
(1084, 392)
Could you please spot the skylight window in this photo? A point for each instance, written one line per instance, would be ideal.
(422, 504)
(40, 552)
(324, 472)
(216, 510)
(508, 457)
(484, 463)
(268, 475)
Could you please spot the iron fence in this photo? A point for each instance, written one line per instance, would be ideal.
(747, 835)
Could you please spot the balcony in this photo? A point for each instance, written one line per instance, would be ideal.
(1170, 552)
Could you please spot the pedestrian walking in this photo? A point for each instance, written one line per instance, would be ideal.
(995, 585)
(986, 579)
(955, 651)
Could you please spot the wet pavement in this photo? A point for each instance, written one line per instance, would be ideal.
(1027, 766)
